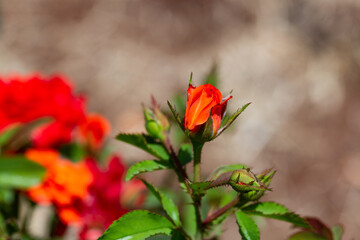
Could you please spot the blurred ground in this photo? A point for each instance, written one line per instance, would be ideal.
(296, 61)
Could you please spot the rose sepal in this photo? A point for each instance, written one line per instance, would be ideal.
(244, 181)
(227, 121)
(265, 178)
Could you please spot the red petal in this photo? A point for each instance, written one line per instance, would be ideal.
(218, 113)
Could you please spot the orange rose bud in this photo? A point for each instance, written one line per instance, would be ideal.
(203, 101)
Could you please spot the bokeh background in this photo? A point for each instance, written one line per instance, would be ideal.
(297, 61)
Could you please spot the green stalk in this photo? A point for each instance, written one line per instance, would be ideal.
(179, 169)
(221, 211)
(197, 160)
(199, 226)
(197, 178)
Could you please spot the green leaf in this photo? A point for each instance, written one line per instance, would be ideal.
(231, 119)
(3, 233)
(146, 143)
(159, 237)
(18, 172)
(138, 140)
(176, 116)
(178, 235)
(247, 227)
(307, 236)
(185, 154)
(7, 134)
(275, 211)
(7, 196)
(151, 202)
(145, 166)
(224, 169)
(159, 151)
(337, 232)
(267, 208)
(138, 225)
(166, 202)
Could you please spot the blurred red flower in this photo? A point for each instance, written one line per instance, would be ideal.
(109, 198)
(82, 193)
(27, 98)
(94, 130)
(64, 184)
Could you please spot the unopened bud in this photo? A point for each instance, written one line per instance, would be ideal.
(244, 181)
(162, 118)
(154, 129)
(152, 126)
(159, 115)
(265, 179)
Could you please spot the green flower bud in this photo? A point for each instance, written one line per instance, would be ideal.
(161, 118)
(265, 179)
(159, 115)
(244, 181)
(156, 123)
(154, 129)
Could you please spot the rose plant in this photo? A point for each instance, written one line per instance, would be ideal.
(198, 211)
(53, 152)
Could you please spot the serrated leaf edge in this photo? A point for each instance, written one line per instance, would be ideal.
(258, 232)
(160, 198)
(145, 170)
(147, 149)
(273, 216)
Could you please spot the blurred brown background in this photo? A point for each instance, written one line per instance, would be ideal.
(296, 61)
